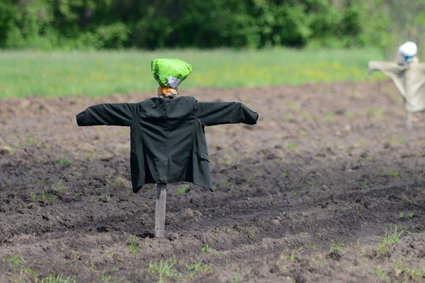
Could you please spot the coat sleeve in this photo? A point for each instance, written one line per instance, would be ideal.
(215, 113)
(117, 114)
(385, 67)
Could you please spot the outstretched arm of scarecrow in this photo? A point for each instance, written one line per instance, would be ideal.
(117, 114)
(215, 113)
(385, 67)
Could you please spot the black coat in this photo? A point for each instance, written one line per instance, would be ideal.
(167, 135)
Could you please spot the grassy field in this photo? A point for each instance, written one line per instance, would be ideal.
(25, 73)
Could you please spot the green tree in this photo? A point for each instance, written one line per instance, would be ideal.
(7, 15)
(69, 24)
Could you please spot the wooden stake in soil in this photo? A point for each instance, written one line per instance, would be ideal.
(161, 200)
(409, 120)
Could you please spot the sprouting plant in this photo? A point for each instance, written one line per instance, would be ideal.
(358, 144)
(106, 277)
(183, 189)
(119, 182)
(55, 278)
(408, 274)
(364, 186)
(306, 115)
(236, 278)
(30, 140)
(228, 161)
(30, 272)
(358, 243)
(382, 248)
(59, 186)
(380, 273)
(123, 149)
(293, 255)
(393, 238)
(206, 249)
(135, 246)
(91, 267)
(409, 214)
(16, 259)
(64, 162)
(105, 198)
(288, 117)
(296, 148)
(329, 116)
(224, 229)
(33, 197)
(335, 247)
(294, 106)
(48, 197)
(163, 269)
(199, 266)
(376, 112)
(290, 145)
(390, 173)
(396, 140)
(352, 115)
(89, 154)
(250, 235)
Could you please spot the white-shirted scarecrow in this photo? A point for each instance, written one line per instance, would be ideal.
(408, 75)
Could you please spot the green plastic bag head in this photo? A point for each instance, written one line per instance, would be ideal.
(170, 72)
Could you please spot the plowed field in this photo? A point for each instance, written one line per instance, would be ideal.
(329, 186)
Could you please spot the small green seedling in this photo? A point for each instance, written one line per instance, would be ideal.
(396, 140)
(57, 278)
(135, 246)
(293, 255)
(64, 162)
(236, 278)
(206, 249)
(106, 277)
(59, 186)
(199, 266)
(335, 248)
(163, 269)
(390, 173)
(391, 239)
(16, 259)
(183, 189)
(380, 273)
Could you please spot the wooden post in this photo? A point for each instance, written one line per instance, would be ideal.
(409, 121)
(161, 200)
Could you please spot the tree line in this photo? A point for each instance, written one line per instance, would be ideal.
(150, 24)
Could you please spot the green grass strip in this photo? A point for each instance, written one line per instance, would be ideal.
(26, 73)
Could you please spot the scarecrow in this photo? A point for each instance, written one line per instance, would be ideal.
(409, 77)
(167, 137)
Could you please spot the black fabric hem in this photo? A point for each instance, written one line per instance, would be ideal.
(138, 188)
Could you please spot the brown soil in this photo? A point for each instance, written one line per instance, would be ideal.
(329, 186)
